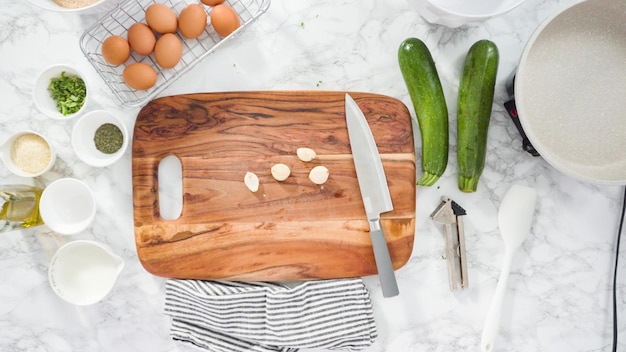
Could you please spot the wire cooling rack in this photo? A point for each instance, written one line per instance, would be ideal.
(117, 22)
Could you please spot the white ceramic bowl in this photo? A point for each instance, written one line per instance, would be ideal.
(67, 206)
(83, 138)
(83, 272)
(456, 13)
(27, 148)
(51, 5)
(42, 97)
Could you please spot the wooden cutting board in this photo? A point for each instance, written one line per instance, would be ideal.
(290, 230)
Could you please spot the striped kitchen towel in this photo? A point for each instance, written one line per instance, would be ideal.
(226, 316)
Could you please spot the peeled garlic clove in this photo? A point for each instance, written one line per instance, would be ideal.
(306, 154)
(319, 175)
(280, 172)
(251, 181)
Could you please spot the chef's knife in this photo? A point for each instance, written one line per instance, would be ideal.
(374, 190)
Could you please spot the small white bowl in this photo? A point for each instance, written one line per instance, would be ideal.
(83, 138)
(26, 148)
(51, 5)
(83, 272)
(456, 13)
(67, 206)
(43, 98)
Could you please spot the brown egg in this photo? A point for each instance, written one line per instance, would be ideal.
(139, 76)
(224, 19)
(192, 21)
(212, 2)
(168, 50)
(141, 38)
(161, 18)
(115, 50)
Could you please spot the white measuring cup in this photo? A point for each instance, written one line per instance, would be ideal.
(83, 272)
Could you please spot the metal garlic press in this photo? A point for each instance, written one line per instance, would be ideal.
(449, 214)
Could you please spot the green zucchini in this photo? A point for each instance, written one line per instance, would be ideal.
(422, 80)
(476, 90)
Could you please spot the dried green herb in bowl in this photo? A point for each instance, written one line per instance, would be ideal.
(108, 138)
(99, 138)
(69, 92)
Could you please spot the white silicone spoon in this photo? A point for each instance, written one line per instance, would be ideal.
(514, 219)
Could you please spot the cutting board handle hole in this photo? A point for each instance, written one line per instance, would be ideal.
(170, 180)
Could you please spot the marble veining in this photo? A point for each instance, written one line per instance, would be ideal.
(559, 296)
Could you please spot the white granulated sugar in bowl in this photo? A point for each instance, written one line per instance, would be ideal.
(31, 153)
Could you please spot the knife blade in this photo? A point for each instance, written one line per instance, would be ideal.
(374, 190)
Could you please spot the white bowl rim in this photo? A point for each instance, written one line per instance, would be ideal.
(54, 7)
(467, 16)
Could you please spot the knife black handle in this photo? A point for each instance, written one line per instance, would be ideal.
(383, 261)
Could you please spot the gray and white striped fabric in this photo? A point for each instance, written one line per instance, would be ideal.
(226, 316)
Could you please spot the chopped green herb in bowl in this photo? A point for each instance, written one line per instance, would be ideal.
(61, 92)
(69, 92)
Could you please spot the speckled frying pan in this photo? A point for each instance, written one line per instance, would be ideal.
(570, 91)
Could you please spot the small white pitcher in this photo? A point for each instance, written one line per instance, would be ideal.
(83, 272)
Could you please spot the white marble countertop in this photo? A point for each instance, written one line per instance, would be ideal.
(559, 296)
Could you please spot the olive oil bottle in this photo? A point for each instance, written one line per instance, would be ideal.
(20, 207)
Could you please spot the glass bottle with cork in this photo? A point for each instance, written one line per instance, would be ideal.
(20, 207)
